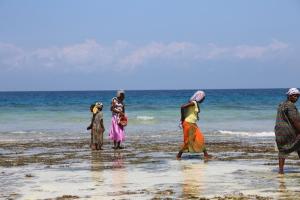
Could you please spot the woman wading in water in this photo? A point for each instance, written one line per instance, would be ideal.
(117, 132)
(96, 126)
(287, 128)
(192, 135)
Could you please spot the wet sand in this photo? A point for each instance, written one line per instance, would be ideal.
(145, 169)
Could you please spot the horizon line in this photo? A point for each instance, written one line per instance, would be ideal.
(92, 90)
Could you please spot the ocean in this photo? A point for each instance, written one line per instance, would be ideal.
(45, 153)
(230, 113)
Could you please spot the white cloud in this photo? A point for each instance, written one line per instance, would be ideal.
(154, 51)
(246, 51)
(11, 56)
(91, 55)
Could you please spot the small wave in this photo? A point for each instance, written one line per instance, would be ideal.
(250, 134)
(40, 136)
(19, 132)
(145, 118)
(25, 132)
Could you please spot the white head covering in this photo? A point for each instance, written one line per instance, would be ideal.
(98, 106)
(293, 91)
(119, 92)
(198, 96)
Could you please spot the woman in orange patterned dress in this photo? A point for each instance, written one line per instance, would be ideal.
(194, 141)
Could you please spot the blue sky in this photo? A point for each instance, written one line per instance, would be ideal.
(103, 45)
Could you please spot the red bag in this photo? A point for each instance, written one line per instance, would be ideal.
(122, 120)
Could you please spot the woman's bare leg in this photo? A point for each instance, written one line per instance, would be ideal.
(281, 165)
(178, 156)
(119, 145)
(206, 155)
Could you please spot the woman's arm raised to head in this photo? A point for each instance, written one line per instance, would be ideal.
(187, 105)
(183, 107)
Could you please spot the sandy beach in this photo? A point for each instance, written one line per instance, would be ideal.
(145, 169)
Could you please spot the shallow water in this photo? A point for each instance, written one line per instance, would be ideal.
(44, 148)
(175, 179)
(145, 169)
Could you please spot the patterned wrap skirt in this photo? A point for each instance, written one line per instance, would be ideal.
(193, 138)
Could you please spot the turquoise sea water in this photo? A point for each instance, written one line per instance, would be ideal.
(44, 115)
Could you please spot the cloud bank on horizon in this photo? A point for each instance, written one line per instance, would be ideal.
(91, 55)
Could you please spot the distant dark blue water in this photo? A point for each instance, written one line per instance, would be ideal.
(55, 114)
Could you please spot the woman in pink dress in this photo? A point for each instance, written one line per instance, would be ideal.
(117, 132)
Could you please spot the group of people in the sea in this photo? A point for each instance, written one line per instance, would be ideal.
(287, 128)
(118, 122)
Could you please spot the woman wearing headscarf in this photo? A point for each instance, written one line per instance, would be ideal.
(192, 135)
(117, 132)
(287, 128)
(97, 127)
(91, 124)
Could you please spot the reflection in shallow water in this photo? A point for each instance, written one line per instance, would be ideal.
(96, 166)
(99, 163)
(283, 190)
(192, 175)
(108, 172)
(119, 173)
(118, 160)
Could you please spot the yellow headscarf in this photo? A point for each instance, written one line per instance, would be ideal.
(97, 107)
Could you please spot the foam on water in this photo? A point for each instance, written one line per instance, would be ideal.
(145, 118)
(249, 134)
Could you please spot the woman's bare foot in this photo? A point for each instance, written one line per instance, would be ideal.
(178, 156)
(208, 157)
(93, 147)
